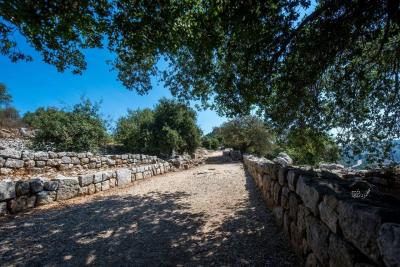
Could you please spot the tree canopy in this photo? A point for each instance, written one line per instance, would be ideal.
(330, 65)
(170, 127)
(249, 134)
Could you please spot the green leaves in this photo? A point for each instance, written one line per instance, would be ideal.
(171, 126)
(81, 129)
(333, 66)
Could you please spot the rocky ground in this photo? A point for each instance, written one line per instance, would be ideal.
(210, 215)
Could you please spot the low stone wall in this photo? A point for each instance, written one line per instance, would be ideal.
(14, 162)
(330, 221)
(16, 196)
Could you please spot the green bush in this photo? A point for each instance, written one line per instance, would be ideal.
(135, 131)
(9, 116)
(81, 129)
(210, 142)
(170, 127)
(308, 146)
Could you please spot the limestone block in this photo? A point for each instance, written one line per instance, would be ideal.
(107, 175)
(41, 155)
(84, 160)
(98, 177)
(276, 193)
(70, 154)
(29, 163)
(113, 182)
(341, 253)
(312, 261)
(293, 206)
(14, 163)
(318, 239)
(292, 176)
(45, 197)
(85, 180)
(27, 155)
(54, 162)
(75, 161)
(2, 161)
(389, 244)
(10, 153)
(3, 208)
(40, 163)
(66, 160)
(22, 188)
(61, 154)
(123, 177)
(7, 189)
(285, 197)
(308, 193)
(91, 189)
(328, 213)
(105, 185)
(67, 187)
(36, 185)
(52, 155)
(282, 175)
(83, 190)
(81, 155)
(139, 176)
(97, 187)
(21, 203)
(50, 185)
(360, 224)
(301, 219)
(278, 213)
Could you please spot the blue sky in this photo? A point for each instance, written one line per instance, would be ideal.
(36, 84)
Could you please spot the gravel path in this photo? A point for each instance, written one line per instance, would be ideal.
(210, 215)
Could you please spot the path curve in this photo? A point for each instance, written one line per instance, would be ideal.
(209, 215)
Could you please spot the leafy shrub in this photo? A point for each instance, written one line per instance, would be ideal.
(135, 131)
(81, 129)
(170, 127)
(210, 142)
(9, 116)
(309, 146)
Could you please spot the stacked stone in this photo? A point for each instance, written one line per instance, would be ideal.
(16, 196)
(325, 224)
(28, 162)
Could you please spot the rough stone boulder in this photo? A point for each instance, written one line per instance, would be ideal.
(124, 177)
(7, 189)
(389, 243)
(68, 187)
(10, 153)
(283, 159)
(14, 163)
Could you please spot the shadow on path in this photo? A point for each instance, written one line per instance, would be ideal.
(157, 229)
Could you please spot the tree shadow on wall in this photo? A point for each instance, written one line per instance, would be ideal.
(117, 231)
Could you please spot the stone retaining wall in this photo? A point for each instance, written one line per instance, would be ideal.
(14, 162)
(16, 196)
(330, 221)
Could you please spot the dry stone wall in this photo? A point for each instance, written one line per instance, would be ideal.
(15, 162)
(330, 221)
(19, 195)
(22, 193)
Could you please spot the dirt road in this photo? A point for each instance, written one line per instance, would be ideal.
(210, 215)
